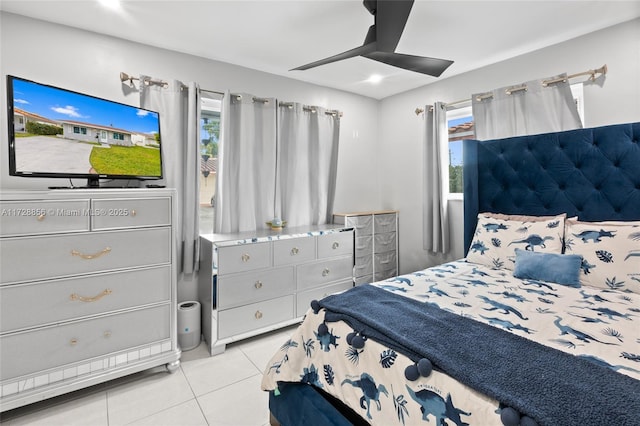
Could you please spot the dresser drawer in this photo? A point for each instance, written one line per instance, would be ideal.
(363, 225)
(384, 261)
(29, 352)
(363, 266)
(385, 223)
(383, 275)
(244, 257)
(304, 298)
(39, 303)
(385, 242)
(257, 315)
(249, 287)
(335, 244)
(31, 258)
(43, 217)
(130, 212)
(318, 273)
(294, 250)
(364, 245)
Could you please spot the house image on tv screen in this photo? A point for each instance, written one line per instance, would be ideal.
(84, 132)
(22, 117)
(87, 132)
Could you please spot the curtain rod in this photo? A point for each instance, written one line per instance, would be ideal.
(591, 73)
(253, 99)
(126, 77)
(311, 108)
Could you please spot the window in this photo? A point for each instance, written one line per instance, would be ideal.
(209, 139)
(80, 130)
(460, 124)
(118, 136)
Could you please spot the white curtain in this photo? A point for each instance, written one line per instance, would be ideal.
(246, 164)
(178, 106)
(307, 164)
(436, 180)
(538, 109)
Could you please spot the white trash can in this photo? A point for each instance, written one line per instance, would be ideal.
(188, 325)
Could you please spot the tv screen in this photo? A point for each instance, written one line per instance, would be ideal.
(54, 132)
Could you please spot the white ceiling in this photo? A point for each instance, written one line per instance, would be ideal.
(276, 36)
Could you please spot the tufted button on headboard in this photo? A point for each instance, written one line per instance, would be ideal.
(590, 173)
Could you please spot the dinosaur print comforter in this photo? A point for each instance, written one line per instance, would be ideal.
(602, 326)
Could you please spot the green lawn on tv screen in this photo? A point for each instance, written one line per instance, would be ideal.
(126, 160)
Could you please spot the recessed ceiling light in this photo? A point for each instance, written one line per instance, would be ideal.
(375, 79)
(110, 4)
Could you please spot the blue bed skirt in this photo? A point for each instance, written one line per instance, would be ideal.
(302, 404)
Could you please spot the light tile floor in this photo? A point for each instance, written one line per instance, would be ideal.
(223, 390)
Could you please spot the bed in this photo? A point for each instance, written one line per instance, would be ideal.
(538, 324)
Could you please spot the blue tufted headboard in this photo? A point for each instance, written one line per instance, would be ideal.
(590, 173)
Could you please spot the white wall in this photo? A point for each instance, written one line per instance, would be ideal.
(91, 63)
(614, 99)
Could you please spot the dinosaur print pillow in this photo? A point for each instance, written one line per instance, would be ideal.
(495, 240)
(610, 253)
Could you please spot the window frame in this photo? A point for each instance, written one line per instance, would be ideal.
(210, 109)
(577, 91)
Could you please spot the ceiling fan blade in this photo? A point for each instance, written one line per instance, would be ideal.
(391, 18)
(383, 37)
(421, 64)
(358, 51)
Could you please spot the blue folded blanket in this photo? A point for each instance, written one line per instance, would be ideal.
(550, 386)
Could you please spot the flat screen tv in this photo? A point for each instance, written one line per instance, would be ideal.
(59, 133)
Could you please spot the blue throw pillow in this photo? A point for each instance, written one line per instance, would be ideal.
(551, 267)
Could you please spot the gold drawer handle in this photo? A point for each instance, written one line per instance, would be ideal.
(258, 315)
(41, 217)
(295, 251)
(73, 341)
(133, 213)
(258, 284)
(325, 272)
(335, 245)
(107, 334)
(90, 256)
(105, 292)
(245, 257)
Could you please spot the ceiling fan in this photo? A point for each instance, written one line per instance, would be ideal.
(390, 18)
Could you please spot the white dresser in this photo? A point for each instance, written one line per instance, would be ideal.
(87, 289)
(266, 280)
(376, 248)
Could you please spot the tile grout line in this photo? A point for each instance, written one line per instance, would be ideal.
(204, 416)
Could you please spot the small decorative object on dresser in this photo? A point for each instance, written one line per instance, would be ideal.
(377, 256)
(277, 224)
(87, 290)
(264, 280)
